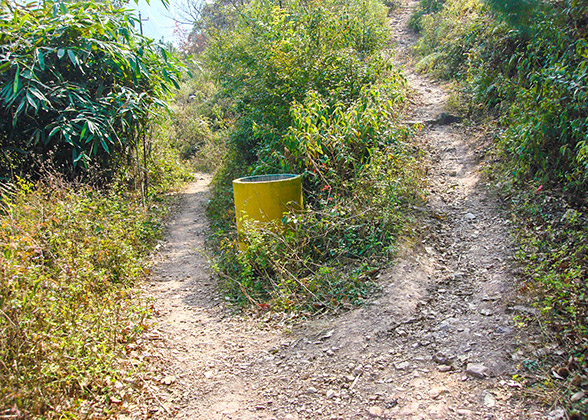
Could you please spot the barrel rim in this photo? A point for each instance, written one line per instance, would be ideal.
(265, 179)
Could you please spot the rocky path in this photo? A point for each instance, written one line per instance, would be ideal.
(438, 343)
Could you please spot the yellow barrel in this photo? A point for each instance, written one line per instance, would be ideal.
(266, 198)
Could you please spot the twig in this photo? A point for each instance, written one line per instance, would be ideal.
(9, 320)
(225, 276)
(155, 396)
(355, 381)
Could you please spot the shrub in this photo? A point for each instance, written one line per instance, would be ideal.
(360, 175)
(275, 55)
(313, 94)
(199, 123)
(68, 257)
(330, 254)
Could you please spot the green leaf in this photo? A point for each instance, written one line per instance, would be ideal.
(16, 83)
(41, 60)
(38, 94)
(84, 129)
(60, 53)
(5, 66)
(32, 102)
(17, 113)
(76, 156)
(73, 58)
(104, 145)
(54, 131)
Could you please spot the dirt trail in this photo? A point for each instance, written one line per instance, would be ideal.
(438, 343)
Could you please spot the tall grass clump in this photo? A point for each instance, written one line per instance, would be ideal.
(310, 91)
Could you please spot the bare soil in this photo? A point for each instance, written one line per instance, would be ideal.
(439, 342)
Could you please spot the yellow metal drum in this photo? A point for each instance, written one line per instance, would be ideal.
(266, 198)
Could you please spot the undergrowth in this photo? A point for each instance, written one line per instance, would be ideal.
(70, 255)
(329, 255)
(310, 92)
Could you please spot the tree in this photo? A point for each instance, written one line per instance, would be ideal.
(78, 85)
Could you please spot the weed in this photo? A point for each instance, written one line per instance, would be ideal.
(68, 258)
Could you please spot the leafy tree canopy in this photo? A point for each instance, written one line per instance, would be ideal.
(77, 84)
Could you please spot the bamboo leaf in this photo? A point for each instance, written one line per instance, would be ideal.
(5, 66)
(84, 130)
(41, 60)
(38, 94)
(104, 145)
(32, 102)
(73, 58)
(16, 83)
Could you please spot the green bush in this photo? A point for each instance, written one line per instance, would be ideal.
(360, 176)
(199, 124)
(547, 124)
(329, 255)
(332, 144)
(77, 85)
(274, 55)
(424, 8)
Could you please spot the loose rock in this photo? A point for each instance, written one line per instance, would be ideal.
(489, 400)
(442, 359)
(477, 370)
(557, 414)
(486, 312)
(469, 216)
(376, 411)
(577, 396)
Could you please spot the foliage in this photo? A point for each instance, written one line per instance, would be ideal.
(360, 175)
(548, 128)
(328, 256)
(275, 55)
(76, 84)
(553, 245)
(198, 123)
(311, 92)
(424, 8)
(529, 65)
(448, 32)
(331, 145)
(68, 256)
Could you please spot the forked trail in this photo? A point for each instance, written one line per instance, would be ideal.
(438, 343)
